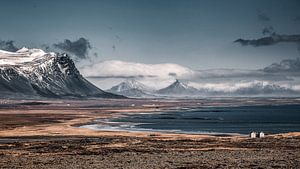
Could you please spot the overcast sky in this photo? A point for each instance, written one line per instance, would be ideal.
(195, 33)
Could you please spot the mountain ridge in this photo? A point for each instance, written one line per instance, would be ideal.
(34, 73)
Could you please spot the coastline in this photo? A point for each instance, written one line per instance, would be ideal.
(70, 127)
(66, 117)
(107, 124)
(134, 122)
(77, 118)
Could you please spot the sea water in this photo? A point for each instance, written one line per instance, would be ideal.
(270, 119)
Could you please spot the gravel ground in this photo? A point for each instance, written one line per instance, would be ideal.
(151, 152)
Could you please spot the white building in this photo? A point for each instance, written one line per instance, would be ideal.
(253, 135)
(261, 134)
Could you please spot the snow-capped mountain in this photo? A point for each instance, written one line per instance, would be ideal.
(178, 89)
(132, 88)
(254, 88)
(131, 84)
(265, 89)
(34, 73)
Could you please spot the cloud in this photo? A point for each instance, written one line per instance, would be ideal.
(236, 75)
(8, 45)
(270, 40)
(131, 69)
(268, 30)
(79, 47)
(263, 16)
(154, 75)
(287, 65)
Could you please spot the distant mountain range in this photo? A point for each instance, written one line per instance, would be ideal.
(133, 88)
(32, 73)
(264, 89)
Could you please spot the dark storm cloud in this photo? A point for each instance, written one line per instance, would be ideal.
(287, 65)
(8, 45)
(78, 47)
(270, 40)
(263, 16)
(268, 30)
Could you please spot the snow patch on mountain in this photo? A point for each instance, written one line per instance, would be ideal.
(132, 84)
(22, 56)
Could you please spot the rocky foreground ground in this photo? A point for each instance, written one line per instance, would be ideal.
(149, 152)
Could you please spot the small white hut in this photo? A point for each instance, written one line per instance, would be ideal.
(253, 135)
(261, 134)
